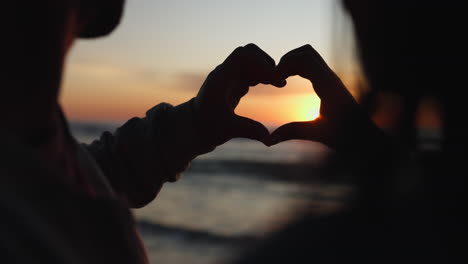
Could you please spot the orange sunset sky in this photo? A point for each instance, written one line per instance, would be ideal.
(163, 50)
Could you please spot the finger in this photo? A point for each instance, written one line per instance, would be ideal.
(244, 127)
(262, 53)
(297, 62)
(257, 68)
(252, 65)
(306, 49)
(298, 50)
(302, 61)
(307, 63)
(234, 101)
(292, 64)
(296, 130)
(277, 81)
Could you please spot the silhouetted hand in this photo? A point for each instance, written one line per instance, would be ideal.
(226, 85)
(208, 120)
(342, 123)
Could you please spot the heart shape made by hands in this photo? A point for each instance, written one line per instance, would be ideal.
(247, 66)
(274, 106)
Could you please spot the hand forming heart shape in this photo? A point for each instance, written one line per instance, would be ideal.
(341, 118)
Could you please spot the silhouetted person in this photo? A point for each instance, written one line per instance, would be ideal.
(64, 202)
(410, 204)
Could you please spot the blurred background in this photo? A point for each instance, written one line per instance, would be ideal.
(241, 192)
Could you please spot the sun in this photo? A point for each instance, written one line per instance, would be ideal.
(274, 107)
(308, 107)
(314, 113)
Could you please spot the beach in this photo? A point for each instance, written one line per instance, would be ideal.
(230, 198)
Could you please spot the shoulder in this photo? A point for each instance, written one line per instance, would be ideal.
(43, 219)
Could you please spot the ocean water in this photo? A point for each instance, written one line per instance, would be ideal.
(231, 198)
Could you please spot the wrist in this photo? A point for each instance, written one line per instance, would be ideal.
(187, 139)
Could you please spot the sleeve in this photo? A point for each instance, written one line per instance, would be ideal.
(144, 153)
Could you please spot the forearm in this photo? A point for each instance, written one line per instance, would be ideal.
(143, 154)
(190, 135)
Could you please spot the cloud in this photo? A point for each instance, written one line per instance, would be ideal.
(189, 81)
(111, 71)
(192, 81)
(181, 83)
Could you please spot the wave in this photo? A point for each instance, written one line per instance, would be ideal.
(148, 228)
(291, 172)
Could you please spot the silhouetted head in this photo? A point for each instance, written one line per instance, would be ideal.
(410, 50)
(100, 17)
(383, 31)
(36, 37)
(398, 40)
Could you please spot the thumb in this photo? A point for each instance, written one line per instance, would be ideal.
(308, 130)
(247, 128)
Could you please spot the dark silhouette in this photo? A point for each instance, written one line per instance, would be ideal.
(409, 206)
(65, 202)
